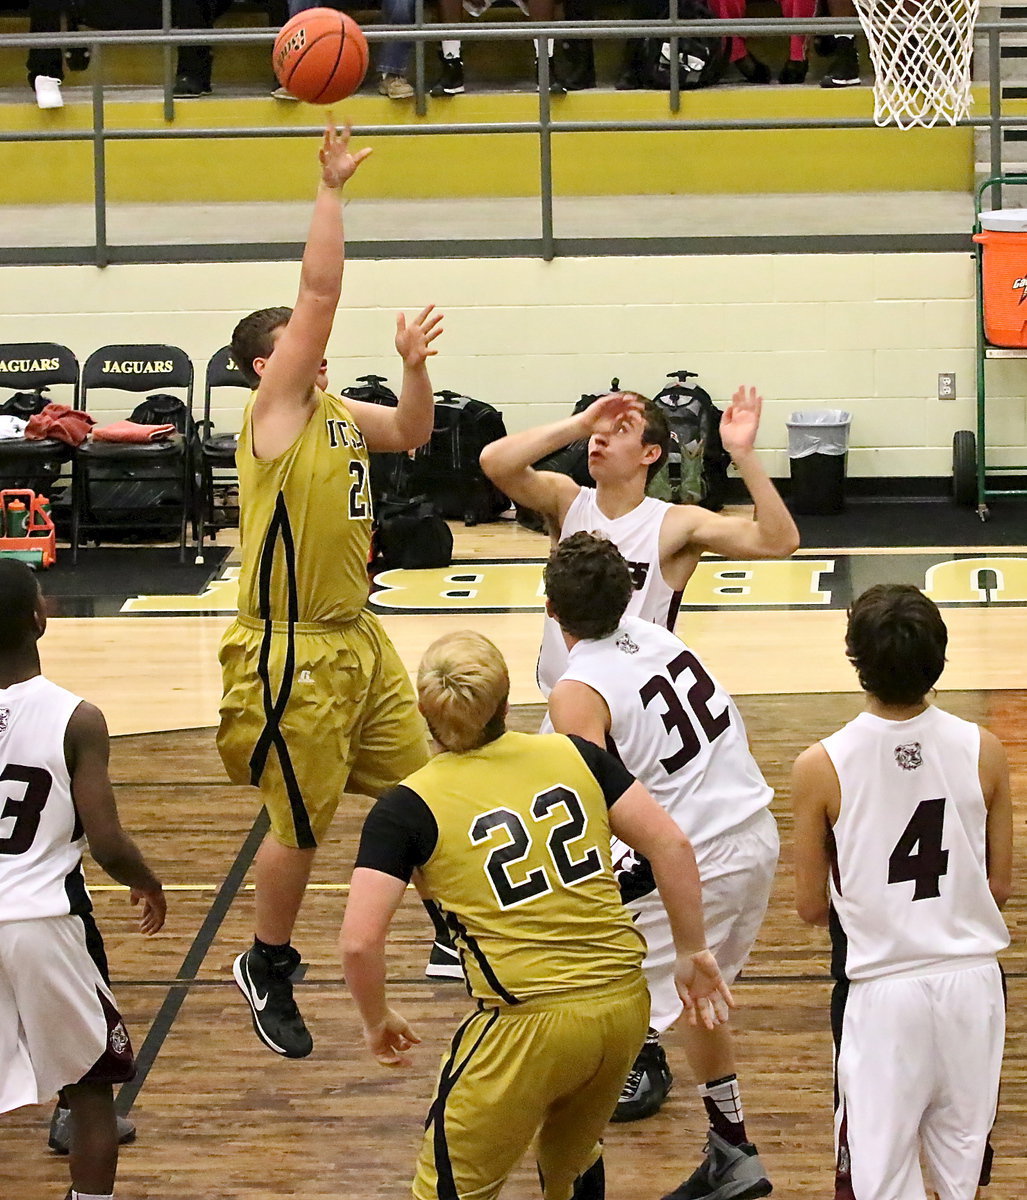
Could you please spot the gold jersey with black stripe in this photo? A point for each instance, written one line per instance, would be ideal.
(512, 841)
(305, 521)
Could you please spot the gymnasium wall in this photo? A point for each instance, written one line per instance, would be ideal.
(866, 332)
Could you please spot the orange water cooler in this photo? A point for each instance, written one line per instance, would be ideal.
(1003, 238)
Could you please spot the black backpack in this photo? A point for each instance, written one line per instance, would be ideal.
(695, 471)
(388, 468)
(410, 534)
(24, 405)
(703, 60)
(162, 409)
(446, 469)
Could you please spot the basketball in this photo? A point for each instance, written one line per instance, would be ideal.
(320, 56)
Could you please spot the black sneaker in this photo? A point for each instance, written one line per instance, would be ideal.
(451, 81)
(726, 1173)
(59, 1139)
(444, 962)
(268, 992)
(646, 1087)
(844, 69)
(189, 87)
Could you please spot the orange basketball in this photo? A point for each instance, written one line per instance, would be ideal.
(320, 56)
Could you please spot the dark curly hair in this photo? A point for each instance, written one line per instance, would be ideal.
(252, 339)
(19, 595)
(588, 584)
(896, 640)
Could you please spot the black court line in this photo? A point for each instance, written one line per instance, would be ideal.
(197, 952)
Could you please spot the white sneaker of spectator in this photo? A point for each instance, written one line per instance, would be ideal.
(477, 8)
(48, 92)
(283, 93)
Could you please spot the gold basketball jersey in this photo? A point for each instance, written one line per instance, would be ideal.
(522, 870)
(305, 521)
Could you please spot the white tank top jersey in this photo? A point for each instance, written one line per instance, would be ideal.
(637, 536)
(909, 886)
(41, 838)
(674, 727)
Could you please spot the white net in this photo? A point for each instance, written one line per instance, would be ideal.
(921, 52)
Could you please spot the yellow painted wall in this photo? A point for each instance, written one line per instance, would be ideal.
(864, 332)
(498, 165)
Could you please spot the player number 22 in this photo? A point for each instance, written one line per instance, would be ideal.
(26, 808)
(517, 846)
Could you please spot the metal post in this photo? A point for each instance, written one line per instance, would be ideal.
(169, 65)
(675, 64)
(545, 150)
(420, 98)
(995, 108)
(99, 160)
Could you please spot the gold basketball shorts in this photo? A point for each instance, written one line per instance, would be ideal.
(314, 713)
(547, 1071)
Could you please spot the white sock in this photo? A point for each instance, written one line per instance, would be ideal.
(550, 44)
(451, 48)
(91, 1196)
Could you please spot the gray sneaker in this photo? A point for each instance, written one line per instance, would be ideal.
(646, 1086)
(59, 1139)
(726, 1173)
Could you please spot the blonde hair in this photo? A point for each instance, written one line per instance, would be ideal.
(462, 685)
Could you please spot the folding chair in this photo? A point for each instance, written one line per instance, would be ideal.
(32, 368)
(120, 484)
(217, 450)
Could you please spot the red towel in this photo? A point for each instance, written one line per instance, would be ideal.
(133, 432)
(60, 422)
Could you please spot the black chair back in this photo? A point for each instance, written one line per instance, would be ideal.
(32, 366)
(221, 372)
(138, 368)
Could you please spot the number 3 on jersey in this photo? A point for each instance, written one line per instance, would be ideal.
(930, 862)
(517, 846)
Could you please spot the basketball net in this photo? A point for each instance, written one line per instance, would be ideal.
(921, 52)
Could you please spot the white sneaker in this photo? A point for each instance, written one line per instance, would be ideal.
(282, 93)
(48, 92)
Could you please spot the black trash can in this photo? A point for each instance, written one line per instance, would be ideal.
(818, 444)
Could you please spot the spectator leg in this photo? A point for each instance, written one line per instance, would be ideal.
(194, 61)
(579, 51)
(731, 10)
(796, 10)
(394, 57)
(45, 17)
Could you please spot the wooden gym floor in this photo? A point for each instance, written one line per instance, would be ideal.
(219, 1116)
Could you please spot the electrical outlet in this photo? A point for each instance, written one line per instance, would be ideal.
(947, 385)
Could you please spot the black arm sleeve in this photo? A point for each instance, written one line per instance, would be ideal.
(611, 774)
(399, 834)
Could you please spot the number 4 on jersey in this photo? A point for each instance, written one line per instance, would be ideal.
(930, 862)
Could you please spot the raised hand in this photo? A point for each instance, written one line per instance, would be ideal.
(155, 908)
(414, 339)
(337, 163)
(389, 1040)
(620, 408)
(741, 421)
(705, 995)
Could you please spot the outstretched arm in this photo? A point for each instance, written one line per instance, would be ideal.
(86, 751)
(772, 532)
(508, 461)
(285, 394)
(410, 423)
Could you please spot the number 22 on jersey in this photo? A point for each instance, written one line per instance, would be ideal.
(508, 829)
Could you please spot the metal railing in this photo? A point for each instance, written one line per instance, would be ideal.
(544, 127)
